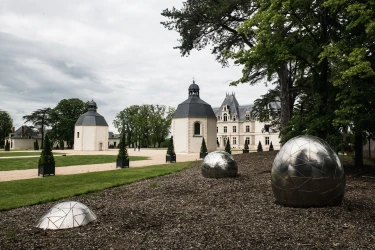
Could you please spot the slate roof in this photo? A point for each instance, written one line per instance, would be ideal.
(235, 109)
(194, 106)
(27, 133)
(91, 117)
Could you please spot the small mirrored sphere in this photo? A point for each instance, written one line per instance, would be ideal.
(307, 173)
(219, 164)
(66, 215)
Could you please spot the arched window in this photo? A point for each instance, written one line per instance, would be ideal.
(225, 117)
(197, 128)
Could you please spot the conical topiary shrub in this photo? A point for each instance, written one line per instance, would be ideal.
(46, 164)
(245, 148)
(36, 145)
(7, 146)
(271, 147)
(203, 151)
(260, 148)
(171, 155)
(122, 160)
(227, 147)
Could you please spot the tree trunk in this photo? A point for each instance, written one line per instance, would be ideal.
(358, 148)
(285, 96)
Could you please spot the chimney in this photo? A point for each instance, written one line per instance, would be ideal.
(22, 131)
(13, 129)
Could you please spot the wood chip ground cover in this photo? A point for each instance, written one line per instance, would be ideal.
(186, 211)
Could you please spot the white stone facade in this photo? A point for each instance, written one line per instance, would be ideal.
(93, 138)
(186, 141)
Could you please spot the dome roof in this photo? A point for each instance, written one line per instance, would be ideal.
(193, 86)
(194, 106)
(91, 117)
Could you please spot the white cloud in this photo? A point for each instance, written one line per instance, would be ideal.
(115, 52)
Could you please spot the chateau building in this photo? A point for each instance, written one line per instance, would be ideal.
(194, 120)
(91, 131)
(235, 123)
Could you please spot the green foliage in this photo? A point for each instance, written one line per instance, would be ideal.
(7, 146)
(170, 150)
(63, 118)
(145, 125)
(5, 125)
(35, 191)
(40, 119)
(46, 157)
(122, 152)
(203, 146)
(246, 146)
(271, 147)
(227, 147)
(260, 148)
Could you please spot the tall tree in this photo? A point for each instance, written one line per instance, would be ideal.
(230, 27)
(40, 119)
(5, 125)
(63, 118)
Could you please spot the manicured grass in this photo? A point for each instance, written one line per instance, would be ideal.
(61, 161)
(12, 154)
(41, 190)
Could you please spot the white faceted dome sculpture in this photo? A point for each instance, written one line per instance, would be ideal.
(307, 173)
(66, 215)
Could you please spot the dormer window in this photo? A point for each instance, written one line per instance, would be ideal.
(234, 117)
(225, 117)
(247, 116)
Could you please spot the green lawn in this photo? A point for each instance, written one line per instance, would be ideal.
(61, 161)
(30, 153)
(41, 190)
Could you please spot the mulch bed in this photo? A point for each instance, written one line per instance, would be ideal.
(186, 211)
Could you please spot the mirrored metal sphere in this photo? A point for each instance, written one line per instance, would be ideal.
(307, 173)
(66, 215)
(219, 164)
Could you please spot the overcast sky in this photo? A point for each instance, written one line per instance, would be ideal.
(115, 52)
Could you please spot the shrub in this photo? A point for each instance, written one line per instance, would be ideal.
(203, 146)
(122, 152)
(46, 157)
(260, 149)
(227, 147)
(170, 150)
(246, 146)
(271, 147)
(7, 146)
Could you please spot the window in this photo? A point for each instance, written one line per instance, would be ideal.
(234, 129)
(234, 118)
(234, 140)
(114, 144)
(77, 134)
(218, 117)
(247, 116)
(247, 128)
(225, 117)
(225, 129)
(267, 128)
(217, 129)
(267, 141)
(197, 128)
(248, 140)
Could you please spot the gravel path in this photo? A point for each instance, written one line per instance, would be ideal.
(186, 211)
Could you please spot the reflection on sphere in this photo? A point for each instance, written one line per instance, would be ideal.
(307, 173)
(219, 164)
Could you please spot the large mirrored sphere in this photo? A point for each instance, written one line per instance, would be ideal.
(66, 215)
(307, 173)
(219, 164)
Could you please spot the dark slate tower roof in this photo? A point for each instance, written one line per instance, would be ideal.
(91, 117)
(194, 106)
